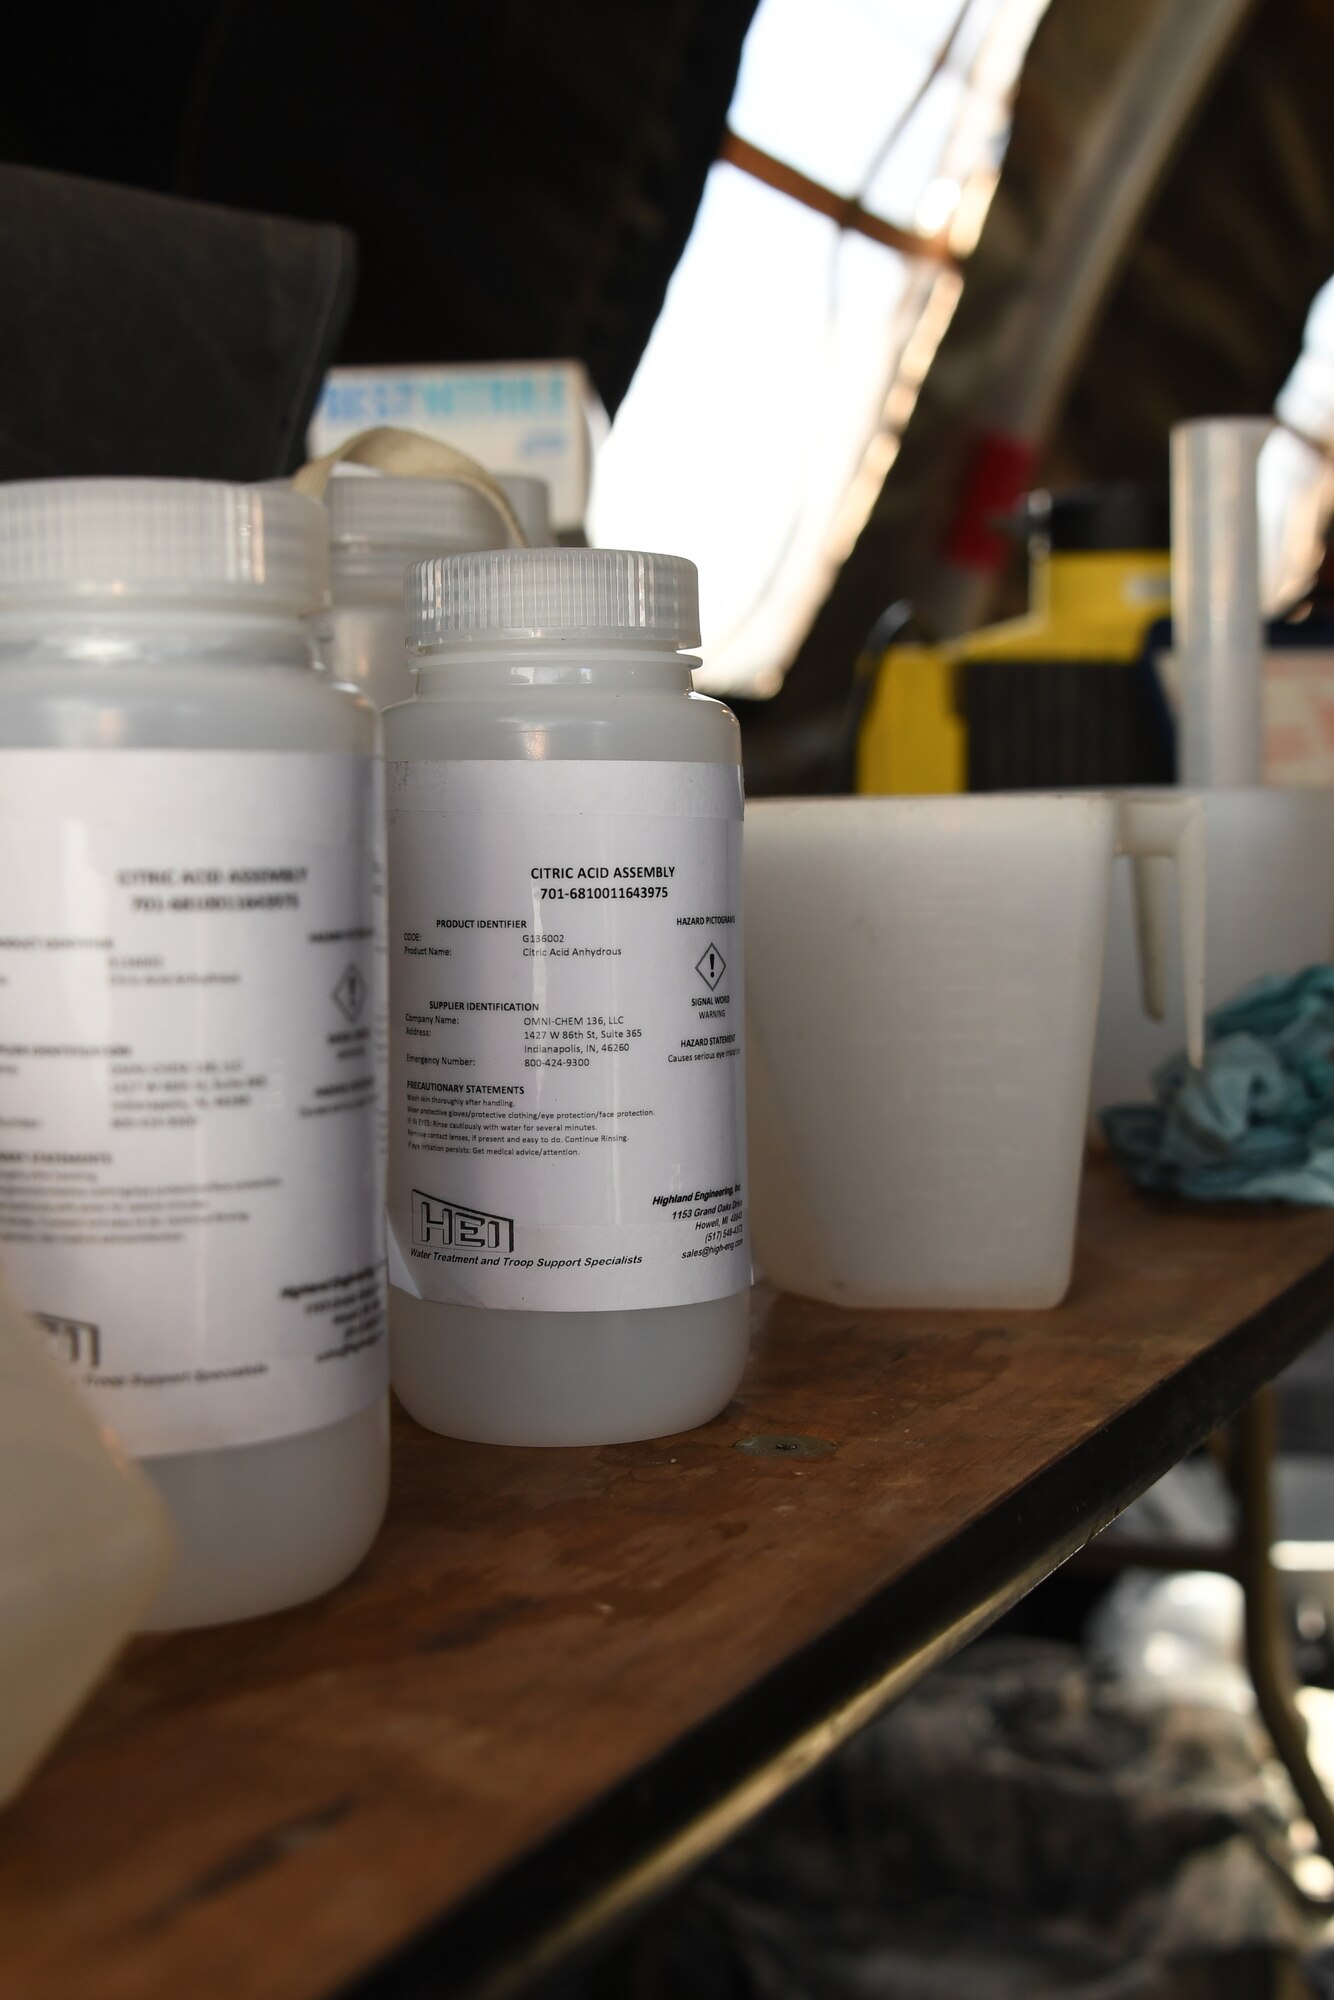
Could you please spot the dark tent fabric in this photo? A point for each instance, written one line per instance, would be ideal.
(1207, 312)
(520, 181)
(142, 335)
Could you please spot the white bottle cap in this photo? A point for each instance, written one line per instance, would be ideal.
(379, 520)
(148, 541)
(552, 594)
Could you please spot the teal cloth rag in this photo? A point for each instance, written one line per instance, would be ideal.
(1257, 1122)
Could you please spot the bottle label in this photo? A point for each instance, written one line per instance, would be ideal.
(190, 1072)
(567, 1110)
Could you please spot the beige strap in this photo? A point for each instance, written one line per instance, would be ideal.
(412, 456)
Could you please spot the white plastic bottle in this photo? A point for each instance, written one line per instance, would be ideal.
(378, 524)
(567, 1241)
(189, 1071)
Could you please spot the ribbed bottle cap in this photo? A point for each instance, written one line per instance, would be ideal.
(546, 593)
(374, 513)
(149, 540)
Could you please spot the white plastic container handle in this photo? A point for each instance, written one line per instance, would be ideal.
(1151, 831)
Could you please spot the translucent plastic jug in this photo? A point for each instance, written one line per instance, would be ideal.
(378, 524)
(84, 1545)
(1271, 909)
(922, 982)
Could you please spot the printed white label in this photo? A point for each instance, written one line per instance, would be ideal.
(567, 1112)
(190, 1081)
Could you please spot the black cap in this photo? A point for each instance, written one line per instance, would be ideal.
(1119, 515)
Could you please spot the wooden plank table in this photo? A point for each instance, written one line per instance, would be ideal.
(562, 1677)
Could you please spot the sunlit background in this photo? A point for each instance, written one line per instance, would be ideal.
(787, 359)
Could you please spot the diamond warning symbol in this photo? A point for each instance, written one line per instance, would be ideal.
(350, 993)
(711, 967)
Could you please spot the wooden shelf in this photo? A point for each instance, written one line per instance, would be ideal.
(562, 1677)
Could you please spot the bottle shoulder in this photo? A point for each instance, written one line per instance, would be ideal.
(251, 707)
(541, 723)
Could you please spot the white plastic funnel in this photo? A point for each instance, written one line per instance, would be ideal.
(1216, 599)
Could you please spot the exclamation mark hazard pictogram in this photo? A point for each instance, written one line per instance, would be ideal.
(711, 966)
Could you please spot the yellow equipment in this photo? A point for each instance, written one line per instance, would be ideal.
(1063, 696)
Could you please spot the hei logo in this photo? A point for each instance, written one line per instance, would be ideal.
(444, 1225)
(77, 1341)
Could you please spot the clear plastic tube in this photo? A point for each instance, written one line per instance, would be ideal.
(1216, 599)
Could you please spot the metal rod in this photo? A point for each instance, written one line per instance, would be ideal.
(1267, 1652)
(848, 214)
